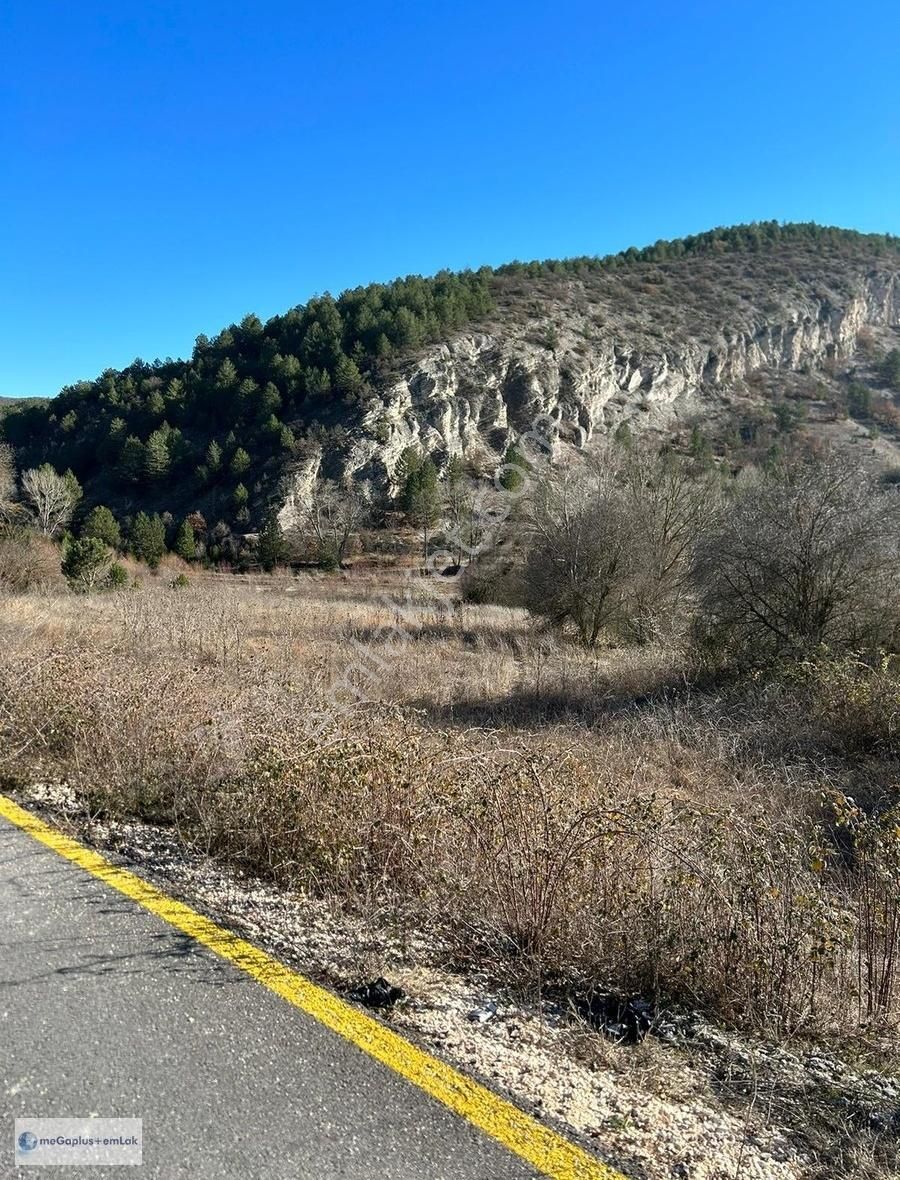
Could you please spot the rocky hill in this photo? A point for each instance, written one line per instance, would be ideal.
(712, 333)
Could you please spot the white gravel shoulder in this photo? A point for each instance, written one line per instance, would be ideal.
(653, 1110)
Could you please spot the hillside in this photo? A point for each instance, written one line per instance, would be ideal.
(10, 404)
(710, 333)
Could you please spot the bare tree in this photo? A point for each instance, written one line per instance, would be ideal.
(332, 515)
(51, 497)
(611, 545)
(581, 559)
(804, 555)
(671, 508)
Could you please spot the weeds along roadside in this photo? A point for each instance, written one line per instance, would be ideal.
(659, 851)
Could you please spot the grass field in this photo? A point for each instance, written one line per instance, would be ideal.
(554, 811)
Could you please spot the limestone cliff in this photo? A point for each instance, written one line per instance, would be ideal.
(590, 364)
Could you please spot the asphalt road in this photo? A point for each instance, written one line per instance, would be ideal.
(106, 1009)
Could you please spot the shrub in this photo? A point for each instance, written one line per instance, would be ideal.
(27, 560)
(889, 369)
(859, 400)
(86, 564)
(805, 554)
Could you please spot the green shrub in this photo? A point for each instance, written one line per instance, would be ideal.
(118, 577)
(86, 564)
(859, 400)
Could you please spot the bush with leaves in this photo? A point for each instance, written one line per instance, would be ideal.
(86, 564)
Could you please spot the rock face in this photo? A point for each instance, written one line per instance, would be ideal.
(476, 393)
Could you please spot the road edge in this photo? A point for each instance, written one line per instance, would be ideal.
(545, 1149)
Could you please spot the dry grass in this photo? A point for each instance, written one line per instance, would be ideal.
(560, 816)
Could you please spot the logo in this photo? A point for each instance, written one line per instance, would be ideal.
(27, 1141)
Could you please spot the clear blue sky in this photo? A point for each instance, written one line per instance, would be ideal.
(168, 166)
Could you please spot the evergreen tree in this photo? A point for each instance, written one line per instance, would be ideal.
(73, 487)
(407, 465)
(859, 400)
(185, 542)
(86, 563)
(514, 469)
(156, 406)
(268, 402)
(213, 461)
(240, 461)
(227, 375)
(421, 500)
(271, 548)
(460, 505)
(889, 369)
(147, 539)
(156, 456)
(102, 525)
(132, 460)
(347, 380)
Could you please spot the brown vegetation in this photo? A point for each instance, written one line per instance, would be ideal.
(559, 814)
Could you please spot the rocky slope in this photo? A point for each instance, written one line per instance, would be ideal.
(696, 332)
(589, 363)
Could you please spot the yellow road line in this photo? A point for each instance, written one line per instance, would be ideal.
(541, 1147)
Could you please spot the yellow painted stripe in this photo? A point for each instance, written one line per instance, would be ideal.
(541, 1147)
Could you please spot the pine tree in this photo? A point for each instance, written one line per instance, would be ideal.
(156, 455)
(514, 469)
(156, 406)
(347, 378)
(185, 541)
(86, 563)
(889, 369)
(147, 539)
(421, 499)
(213, 462)
(227, 375)
(240, 461)
(460, 504)
(271, 547)
(132, 459)
(102, 525)
(407, 465)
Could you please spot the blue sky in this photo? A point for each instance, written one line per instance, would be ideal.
(168, 166)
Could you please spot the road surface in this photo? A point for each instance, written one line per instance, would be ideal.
(107, 1009)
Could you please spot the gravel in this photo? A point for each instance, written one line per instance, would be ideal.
(692, 1100)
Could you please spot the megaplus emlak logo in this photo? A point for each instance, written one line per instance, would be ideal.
(27, 1141)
